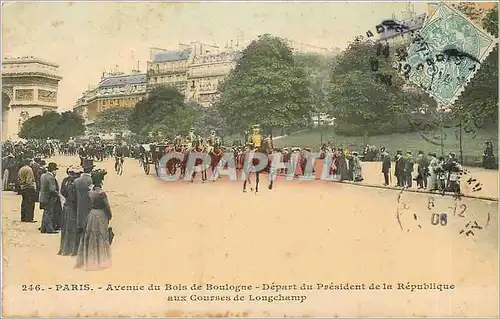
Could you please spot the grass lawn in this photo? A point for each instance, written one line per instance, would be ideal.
(393, 142)
(409, 141)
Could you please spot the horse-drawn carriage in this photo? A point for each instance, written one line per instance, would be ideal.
(153, 157)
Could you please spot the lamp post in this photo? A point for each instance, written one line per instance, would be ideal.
(320, 130)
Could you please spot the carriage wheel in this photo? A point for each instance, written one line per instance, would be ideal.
(147, 168)
(5, 180)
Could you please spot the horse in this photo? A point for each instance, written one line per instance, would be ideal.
(263, 149)
(215, 154)
(172, 163)
(198, 147)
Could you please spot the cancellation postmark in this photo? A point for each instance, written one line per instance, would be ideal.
(445, 55)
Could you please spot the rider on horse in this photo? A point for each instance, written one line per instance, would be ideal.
(192, 138)
(214, 143)
(256, 138)
(255, 141)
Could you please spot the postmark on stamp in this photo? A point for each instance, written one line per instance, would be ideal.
(444, 56)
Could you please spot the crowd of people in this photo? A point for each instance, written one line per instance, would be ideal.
(80, 211)
(433, 173)
(81, 217)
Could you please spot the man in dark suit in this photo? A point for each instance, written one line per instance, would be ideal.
(82, 153)
(422, 169)
(83, 205)
(386, 166)
(399, 170)
(408, 169)
(50, 201)
(28, 191)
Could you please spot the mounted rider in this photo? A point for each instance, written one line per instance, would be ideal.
(213, 142)
(192, 138)
(255, 139)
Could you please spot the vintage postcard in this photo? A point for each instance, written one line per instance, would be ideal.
(249, 159)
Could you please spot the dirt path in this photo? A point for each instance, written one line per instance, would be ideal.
(300, 232)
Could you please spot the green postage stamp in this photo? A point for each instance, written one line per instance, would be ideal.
(444, 56)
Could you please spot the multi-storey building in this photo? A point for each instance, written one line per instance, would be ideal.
(115, 90)
(206, 72)
(29, 88)
(196, 70)
(169, 68)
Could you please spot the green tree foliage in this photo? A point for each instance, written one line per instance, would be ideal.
(266, 87)
(317, 68)
(53, 125)
(208, 119)
(479, 100)
(113, 120)
(163, 110)
(490, 21)
(359, 98)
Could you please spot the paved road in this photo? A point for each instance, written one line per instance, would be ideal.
(300, 232)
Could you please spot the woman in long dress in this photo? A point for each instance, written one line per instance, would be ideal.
(69, 236)
(357, 170)
(94, 252)
(432, 182)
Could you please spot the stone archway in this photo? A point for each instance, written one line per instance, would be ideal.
(6, 98)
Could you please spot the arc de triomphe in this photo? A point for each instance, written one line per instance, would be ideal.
(29, 88)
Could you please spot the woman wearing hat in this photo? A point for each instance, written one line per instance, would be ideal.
(69, 236)
(357, 170)
(94, 252)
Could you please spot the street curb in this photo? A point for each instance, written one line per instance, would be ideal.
(486, 198)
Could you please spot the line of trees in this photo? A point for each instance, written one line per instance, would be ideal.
(53, 125)
(281, 90)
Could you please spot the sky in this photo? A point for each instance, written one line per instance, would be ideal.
(87, 38)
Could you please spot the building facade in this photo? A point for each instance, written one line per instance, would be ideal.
(115, 90)
(206, 72)
(196, 70)
(29, 88)
(169, 68)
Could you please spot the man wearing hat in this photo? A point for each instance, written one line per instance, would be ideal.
(386, 166)
(50, 201)
(83, 205)
(399, 170)
(409, 164)
(82, 153)
(286, 159)
(27, 185)
(422, 169)
(488, 156)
